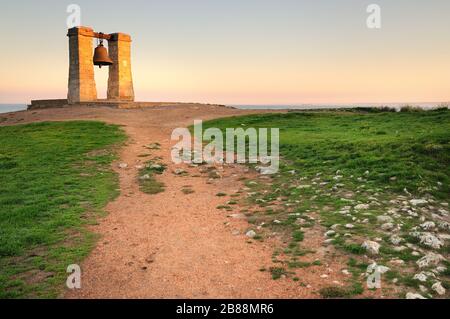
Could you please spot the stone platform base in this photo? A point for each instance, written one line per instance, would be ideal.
(43, 104)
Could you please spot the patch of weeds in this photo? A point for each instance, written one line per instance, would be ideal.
(334, 292)
(154, 146)
(221, 194)
(299, 264)
(354, 249)
(187, 190)
(277, 272)
(298, 236)
(225, 207)
(147, 181)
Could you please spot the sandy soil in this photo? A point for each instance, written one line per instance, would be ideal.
(173, 245)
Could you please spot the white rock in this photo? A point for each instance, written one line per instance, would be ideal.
(438, 288)
(396, 240)
(387, 226)
(428, 239)
(362, 206)
(423, 288)
(444, 225)
(250, 234)
(428, 225)
(430, 259)
(266, 170)
(397, 261)
(411, 295)
(421, 277)
(330, 233)
(123, 165)
(349, 226)
(384, 219)
(238, 216)
(179, 171)
(441, 269)
(418, 202)
(372, 247)
(346, 272)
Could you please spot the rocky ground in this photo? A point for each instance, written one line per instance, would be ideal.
(229, 231)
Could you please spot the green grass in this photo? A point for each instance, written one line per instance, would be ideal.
(334, 159)
(415, 146)
(55, 179)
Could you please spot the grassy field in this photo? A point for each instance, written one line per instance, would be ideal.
(357, 175)
(55, 179)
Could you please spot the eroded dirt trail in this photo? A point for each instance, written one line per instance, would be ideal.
(170, 245)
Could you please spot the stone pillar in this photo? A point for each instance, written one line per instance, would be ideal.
(120, 82)
(81, 71)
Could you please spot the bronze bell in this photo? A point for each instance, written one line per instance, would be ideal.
(101, 56)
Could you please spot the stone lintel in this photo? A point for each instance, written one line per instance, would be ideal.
(85, 31)
(120, 37)
(89, 32)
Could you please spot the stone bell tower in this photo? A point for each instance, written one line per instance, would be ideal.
(82, 86)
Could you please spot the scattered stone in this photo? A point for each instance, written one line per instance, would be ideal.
(349, 226)
(387, 226)
(428, 239)
(346, 272)
(324, 276)
(428, 225)
(423, 289)
(179, 171)
(371, 247)
(430, 259)
(144, 177)
(123, 165)
(421, 277)
(397, 261)
(411, 295)
(266, 170)
(237, 216)
(438, 288)
(418, 202)
(250, 234)
(362, 206)
(330, 233)
(441, 269)
(396, 240)
(384, 219)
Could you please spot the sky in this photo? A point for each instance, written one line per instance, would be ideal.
(239, 51)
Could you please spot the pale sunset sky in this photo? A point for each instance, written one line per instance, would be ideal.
(239, 51)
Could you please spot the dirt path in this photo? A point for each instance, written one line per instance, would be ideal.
(172, 245)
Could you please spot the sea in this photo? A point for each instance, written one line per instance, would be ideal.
(6, 108)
